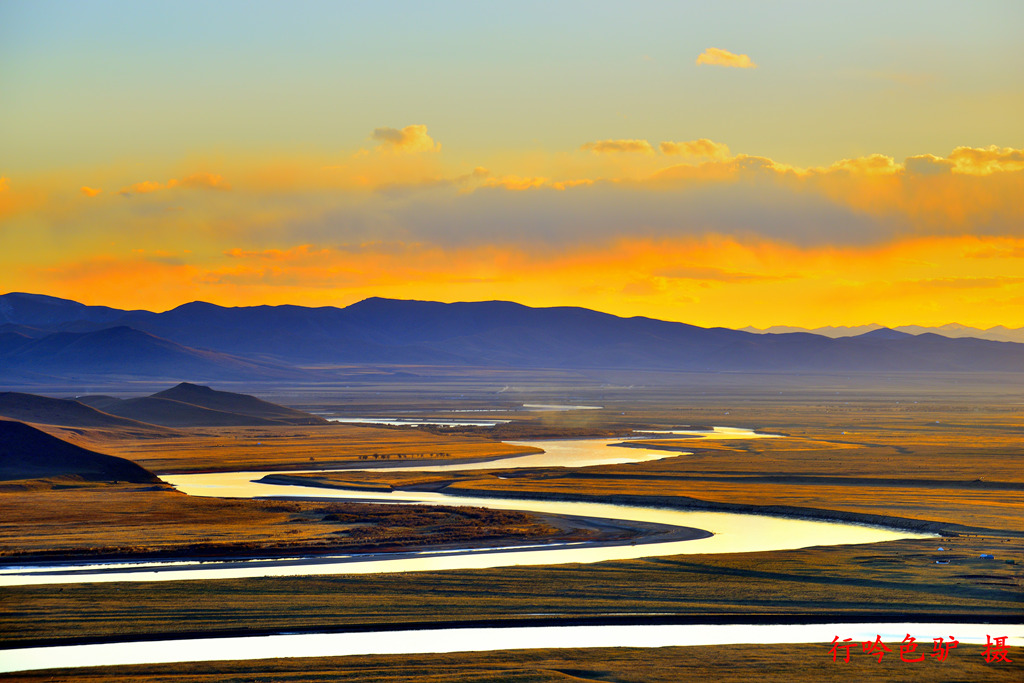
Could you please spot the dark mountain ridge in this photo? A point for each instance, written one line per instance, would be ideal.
(262, 342)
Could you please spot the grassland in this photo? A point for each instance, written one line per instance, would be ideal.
(223, 449)
(65, 521)
(953, 459)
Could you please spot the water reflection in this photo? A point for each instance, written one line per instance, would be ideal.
(732, 533)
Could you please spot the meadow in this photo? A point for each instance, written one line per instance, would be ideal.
(950, 464)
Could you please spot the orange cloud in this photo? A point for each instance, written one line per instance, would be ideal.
(927, 164)
(712, 280)
(209, 181)
(696, 148)
(518, 183)
(998, 249)
(630, 233)
(151, 283)
(300, 252)
(731, 169)
(986, 160)
(979, 161)
(90, 191)
(875, 163)
(616, 146)
(717, 57)
(409, 139)
(567, 184)
(709, 273)
(145, 187)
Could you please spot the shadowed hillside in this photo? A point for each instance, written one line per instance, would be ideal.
(28, 453)
(239, 404)
(185, 405)
(168, 413)
(60, 412)
(192, 405)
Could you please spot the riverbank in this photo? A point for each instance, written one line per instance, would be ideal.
(76, 521)
(886, 444)
(837, 582)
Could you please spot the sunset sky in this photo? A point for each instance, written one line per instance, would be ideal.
(735, 163)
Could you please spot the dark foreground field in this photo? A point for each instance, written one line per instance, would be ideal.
(951, 462)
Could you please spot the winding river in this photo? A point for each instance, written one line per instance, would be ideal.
(729, 533)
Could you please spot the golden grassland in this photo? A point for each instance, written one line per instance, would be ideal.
(727, 664)
(218, 449)
(895, 581)
(66, 521)
(955, 459)
(972, 476)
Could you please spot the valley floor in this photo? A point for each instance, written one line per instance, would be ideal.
(953, 461)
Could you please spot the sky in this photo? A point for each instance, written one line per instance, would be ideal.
(721, 164)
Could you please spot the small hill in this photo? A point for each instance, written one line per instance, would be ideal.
(168, 413)
(240, 404)
(884, 333)
(185, 405)
(98, 401)
(28, 453)
(60, 412)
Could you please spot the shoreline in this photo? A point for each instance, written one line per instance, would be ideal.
(611, 533)
(355, 465)
(783, 511)
(641, 532)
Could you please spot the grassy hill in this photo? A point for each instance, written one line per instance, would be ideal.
(28, 453)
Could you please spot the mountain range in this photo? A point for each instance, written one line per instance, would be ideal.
(997, 333)
(45, 339)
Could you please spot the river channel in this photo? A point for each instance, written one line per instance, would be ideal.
(729, 532)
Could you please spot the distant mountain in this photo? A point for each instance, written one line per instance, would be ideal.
(19, 308)
(828, 331)
(201, 340)
(952, 330)
(884, 333)
(237, 404)
(28, 453)
(997, 333)
(190, 405)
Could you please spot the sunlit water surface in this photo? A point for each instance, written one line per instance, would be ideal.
(732, 532)
(489, 639)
